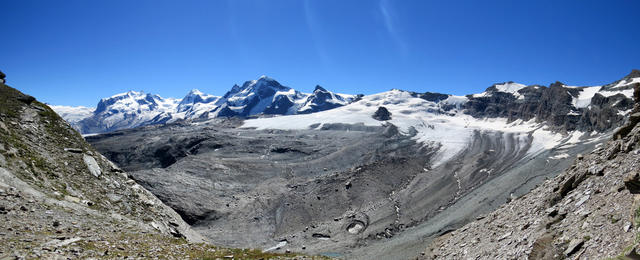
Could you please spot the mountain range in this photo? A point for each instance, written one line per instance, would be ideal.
(264, 96)
(564, 107)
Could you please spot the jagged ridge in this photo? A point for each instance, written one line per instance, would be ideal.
(263, 96)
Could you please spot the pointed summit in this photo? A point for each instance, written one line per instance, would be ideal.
(195, 99)
(263, 87)
(322, 99)
(135, 93)
(634, 74)
(319, 89)
(195, 92)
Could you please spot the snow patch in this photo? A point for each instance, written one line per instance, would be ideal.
(559, 156)
(276, 247)
(584, 99)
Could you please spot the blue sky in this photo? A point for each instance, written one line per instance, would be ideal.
(75, 52)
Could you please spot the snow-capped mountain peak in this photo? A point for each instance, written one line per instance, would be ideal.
(125, 110)
(322, 99)
(196, 104)
(264, 86)
(73, 114)
(267, 96)
(195, 97)
(510, 87)
(261, 96)
(506, 87)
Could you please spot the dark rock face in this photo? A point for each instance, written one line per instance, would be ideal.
(603, 113)
(280, 106)
(430, 96)
(553, 105)
(382, 114)
(227, 112)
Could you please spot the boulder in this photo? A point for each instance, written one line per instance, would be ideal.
(633, 255)
(632, 182)
(573, 247)
(73, 150)
(93, 166)
(26, 99)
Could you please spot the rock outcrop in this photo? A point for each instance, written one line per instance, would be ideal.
(382, 114)
(590, 211)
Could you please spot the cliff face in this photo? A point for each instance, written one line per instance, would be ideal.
(590, 211)
(559, 105)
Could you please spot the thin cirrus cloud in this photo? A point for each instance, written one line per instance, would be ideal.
(386, 10)
(313, 27)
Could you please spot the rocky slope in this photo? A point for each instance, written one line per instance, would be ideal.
(590, 211)
(264, 96)
(59, 198)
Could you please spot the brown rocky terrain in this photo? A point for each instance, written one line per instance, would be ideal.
(590, 211)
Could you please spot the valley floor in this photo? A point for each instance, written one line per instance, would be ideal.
(351, 191)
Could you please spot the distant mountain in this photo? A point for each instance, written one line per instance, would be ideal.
(196, 104)
(322, 99)
(262, 96)
(73, 114)
(267, 96)
(563, 107)
(126, 110)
